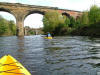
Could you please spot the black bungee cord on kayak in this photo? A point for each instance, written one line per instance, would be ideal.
(11, 64)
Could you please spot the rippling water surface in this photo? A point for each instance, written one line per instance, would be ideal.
(65, 55)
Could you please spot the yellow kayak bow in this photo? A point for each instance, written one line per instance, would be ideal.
(10, 66)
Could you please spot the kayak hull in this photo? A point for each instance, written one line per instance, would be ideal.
(48, 38)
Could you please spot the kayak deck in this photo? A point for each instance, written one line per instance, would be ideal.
(10, 66)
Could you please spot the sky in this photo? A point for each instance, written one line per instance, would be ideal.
(78, 5)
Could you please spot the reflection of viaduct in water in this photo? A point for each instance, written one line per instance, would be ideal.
(21, 11)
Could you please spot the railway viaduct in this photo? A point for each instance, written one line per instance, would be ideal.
(21, 11)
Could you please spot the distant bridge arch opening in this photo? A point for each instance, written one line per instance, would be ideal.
(33, 23)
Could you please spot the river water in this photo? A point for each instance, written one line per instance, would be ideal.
(67, 55)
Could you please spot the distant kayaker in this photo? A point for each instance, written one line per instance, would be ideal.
(48, 34)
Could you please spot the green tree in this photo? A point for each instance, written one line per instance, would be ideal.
(3, 29)
(84, 18)
(3, 25)
(12, 27)
(72, 22)
(51, 20)
(67, 21)
(46, 24)
(31, 32)
(78, 22)
(7, 27)
(94, 15)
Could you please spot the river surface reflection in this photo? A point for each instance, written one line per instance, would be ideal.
(67, 55)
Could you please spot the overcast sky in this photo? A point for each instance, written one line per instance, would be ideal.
(78, 5)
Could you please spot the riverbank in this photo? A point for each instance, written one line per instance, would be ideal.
(92, 30)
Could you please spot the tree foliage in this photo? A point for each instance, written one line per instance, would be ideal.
(12, 27)
(51, 20)
(7, 27)
(85, 18)
(67, 21)
(72, 21)
(94, 15)
(86, 24)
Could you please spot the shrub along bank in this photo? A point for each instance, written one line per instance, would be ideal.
(88, 24)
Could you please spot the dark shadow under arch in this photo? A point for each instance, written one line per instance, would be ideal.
(66, 14)
(6, 10)
(77, 17)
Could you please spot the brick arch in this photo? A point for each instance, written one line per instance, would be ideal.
(32, 12)
(7, 10)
